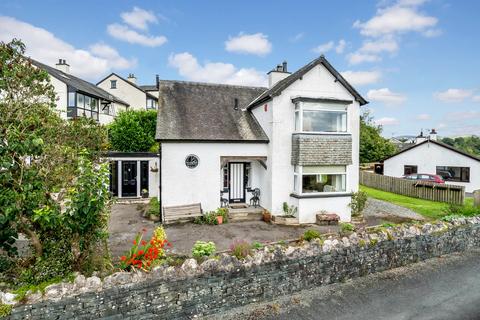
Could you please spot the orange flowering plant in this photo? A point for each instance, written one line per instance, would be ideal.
(145, 254)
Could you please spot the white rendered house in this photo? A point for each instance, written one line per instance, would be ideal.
(79, 98)
(129, 91)
(297, 141)
(430, 156)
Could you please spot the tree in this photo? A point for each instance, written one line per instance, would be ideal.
(133, 131)
(467, 144)
(51, 189)
(373, 147)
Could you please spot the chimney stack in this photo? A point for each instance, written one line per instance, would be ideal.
(131, 78)
(420, 138)
(433, 135)
(157, 81)
(278, 73)
(63, 66)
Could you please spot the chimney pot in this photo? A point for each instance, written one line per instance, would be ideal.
(62, 66)
(284, 66)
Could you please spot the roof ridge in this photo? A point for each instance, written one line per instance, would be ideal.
(213, 84)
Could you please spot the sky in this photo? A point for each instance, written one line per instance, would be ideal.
(416, 61)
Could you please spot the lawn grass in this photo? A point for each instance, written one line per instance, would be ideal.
(427, 208)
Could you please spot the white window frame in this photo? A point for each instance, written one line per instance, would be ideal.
(301, 106)
(298, 181)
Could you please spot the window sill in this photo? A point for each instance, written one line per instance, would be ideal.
(314, 195)
(323, 133)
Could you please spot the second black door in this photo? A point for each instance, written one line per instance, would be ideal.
(129, 178)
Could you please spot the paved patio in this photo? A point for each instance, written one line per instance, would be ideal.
(126, 220)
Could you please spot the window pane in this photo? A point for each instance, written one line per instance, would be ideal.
(88, 113)
(80, 100)
(94, 104)
(323, 183)
(71, 99)
(460, 174)
(297, 121)
(71, 112)
(324, 121)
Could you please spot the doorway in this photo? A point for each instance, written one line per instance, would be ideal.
(237, 182)
(129, 178)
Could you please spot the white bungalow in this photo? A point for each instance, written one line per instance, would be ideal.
(296, 141)
(429, 156)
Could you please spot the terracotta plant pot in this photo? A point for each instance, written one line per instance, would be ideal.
(219, 219)
(267, 216)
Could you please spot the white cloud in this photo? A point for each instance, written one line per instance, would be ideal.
(386, 44)
(340, 46)
(256, 43)
(399, 18)
(453, 95)
(460, 116)
(324, 47)
(360, 78)
(476, 99)
(387, 121)
(124, 33)
(386, 96)
(423, 117)
(357, 57)
(299, 36)
(44, 46)
(216, 72)
(431, 33)
(139, 18)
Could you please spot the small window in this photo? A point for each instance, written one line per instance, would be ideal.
(225, 176)
(408, 169)
(71, 99)
(113, 84)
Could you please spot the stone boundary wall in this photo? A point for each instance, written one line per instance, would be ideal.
(220, 284)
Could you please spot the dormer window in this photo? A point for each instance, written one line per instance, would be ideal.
(113, 84)
(320, 118)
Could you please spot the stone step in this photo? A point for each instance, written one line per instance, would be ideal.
(245, 216)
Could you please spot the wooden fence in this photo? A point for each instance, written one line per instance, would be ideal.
(424, 190)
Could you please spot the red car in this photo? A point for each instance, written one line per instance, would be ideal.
(425, 177)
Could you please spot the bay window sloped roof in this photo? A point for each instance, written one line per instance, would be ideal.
(191, 111)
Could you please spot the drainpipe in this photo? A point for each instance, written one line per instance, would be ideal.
(160, 181)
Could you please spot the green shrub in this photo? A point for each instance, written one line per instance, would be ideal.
(211, 217)
(133, 131)
(257, 245)
(463, 210)
(346, 227)
(154, 207)
(56, 263)
(289, 211)
(311, 234)
(5, 310)
(359, 200)
(203, 249)
(240, 249)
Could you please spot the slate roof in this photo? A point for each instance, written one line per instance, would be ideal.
(283, 84)
(79, 84)
(190, 111)
(130, 83)
(441, 144)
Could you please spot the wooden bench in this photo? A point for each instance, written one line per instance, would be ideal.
(182, 213)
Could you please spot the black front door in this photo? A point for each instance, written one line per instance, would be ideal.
(129, 178)
(237, 181)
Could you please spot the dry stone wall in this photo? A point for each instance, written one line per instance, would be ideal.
(217, 285)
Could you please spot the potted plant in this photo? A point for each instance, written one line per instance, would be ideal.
(267, 216)
(144, 193)
(153, 211)
(220, 219)
(288, 217)
(222, 215)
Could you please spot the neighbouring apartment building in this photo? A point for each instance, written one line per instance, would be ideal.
(296, 141)
(79, 98)
(127, 89)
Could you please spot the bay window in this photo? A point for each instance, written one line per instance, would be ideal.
(80, 105)
(329, 118)
(311, 179)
